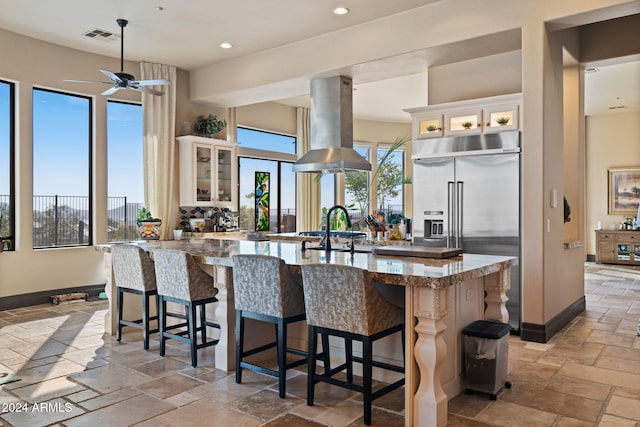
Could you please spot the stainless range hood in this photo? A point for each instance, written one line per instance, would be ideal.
(331, 129)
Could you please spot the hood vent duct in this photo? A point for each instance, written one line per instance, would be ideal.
(331, 129)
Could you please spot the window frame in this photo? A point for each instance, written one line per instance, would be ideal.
(275, 156)
(90, 178)
(12, 181)
(133, 220)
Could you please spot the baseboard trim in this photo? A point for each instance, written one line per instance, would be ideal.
(543, 333)
(43, 297)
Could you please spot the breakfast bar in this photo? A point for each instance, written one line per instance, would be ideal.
(442, 297)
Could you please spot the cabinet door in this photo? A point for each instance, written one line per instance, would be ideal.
(500, 118)
(606, 251)
(204, 177)
(463, 122)
(225, 164)
(429, 127)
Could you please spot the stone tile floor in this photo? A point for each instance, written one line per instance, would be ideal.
(74, 375)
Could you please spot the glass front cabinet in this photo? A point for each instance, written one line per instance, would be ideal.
(208, 172)
(475, 116)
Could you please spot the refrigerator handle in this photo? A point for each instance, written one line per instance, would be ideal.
(459, 214)
(451, 209)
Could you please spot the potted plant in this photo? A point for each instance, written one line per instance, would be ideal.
(502, 121)
(208, 126)
(467, 125)
(149, 227)
(177, 232)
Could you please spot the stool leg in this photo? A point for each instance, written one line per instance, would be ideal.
(192, 334)
(326, 359)
(203, 324)
(281, 337)
(367, 368)
(239, 344)
(311, 366)
(162, 322)
(145, 319)
(120, 301)
(348, 347)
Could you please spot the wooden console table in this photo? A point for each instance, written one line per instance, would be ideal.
(618, 247)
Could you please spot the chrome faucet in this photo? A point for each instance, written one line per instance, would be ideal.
(327, 246)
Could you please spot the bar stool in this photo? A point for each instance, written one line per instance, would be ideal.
(182, 281)
(264, 290)
(134, 273)
(342, 301)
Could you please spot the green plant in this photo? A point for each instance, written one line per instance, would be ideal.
(431, 128)
(467, 125)
(388, 177)
(209, 125)
(178, 227)
(502, 120)
(144, 214)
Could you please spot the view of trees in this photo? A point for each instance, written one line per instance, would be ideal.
(389, 178)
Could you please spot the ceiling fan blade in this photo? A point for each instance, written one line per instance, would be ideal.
(111, 90)
(88, 81)
(149, 82)
(112, 76)
(147, 90)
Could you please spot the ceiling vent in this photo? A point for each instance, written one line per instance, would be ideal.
(591, 70)
(103, 35)
(618, 107)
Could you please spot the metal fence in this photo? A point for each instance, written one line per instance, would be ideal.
(60, 221)
(121, 216)
(65, 220)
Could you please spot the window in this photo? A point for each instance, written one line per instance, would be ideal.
(7, 132)
(390, 181)
(61, 169)
(282, 200)
(261, 140)
(356, 189)
(125, 169)
(254, 157)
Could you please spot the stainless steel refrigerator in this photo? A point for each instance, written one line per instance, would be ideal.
(466, 194)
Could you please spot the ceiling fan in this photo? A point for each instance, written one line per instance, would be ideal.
(124, 80)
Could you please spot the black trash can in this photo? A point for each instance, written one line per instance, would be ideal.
(486, 349)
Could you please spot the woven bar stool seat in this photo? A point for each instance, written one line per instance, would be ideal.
(343, 301)
(134, 273)
(264, 290)
(181, 280)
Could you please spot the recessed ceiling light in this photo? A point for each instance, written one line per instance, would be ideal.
(340, 10)
(226, 45)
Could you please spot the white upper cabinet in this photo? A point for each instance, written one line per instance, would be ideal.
(208, 172)
(475, 116)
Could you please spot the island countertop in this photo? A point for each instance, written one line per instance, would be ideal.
(405, 271)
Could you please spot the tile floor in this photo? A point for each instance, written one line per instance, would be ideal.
(74, 375)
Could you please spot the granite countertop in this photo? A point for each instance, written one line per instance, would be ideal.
(404, 271)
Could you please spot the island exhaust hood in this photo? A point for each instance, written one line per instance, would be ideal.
(331, 129)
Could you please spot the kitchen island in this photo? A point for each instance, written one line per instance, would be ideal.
(443, 295)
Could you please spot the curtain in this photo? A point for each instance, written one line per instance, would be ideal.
(158, 128)
(308, 197)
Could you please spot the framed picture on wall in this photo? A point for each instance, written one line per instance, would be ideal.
(624, 191)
